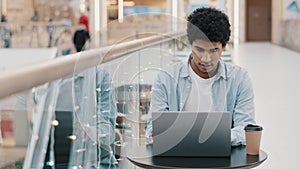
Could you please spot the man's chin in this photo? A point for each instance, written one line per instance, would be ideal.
(205, 71)
(208, 72)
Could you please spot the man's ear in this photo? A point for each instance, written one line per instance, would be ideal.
(223, 47)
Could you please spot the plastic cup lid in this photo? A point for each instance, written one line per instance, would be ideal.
(253, 127)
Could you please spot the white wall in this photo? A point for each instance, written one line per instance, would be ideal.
(242, 21)
(276, 18)
(11, 58)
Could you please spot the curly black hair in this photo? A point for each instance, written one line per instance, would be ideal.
(208, 24)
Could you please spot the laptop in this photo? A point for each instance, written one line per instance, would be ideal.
(195, 134)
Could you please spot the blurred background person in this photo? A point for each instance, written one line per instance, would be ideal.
(84, 19)
(50, 30)
(81, 38)
(65, 44)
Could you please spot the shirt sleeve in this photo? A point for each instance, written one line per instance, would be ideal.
(158, 102)
(106, 105)
(243, 112)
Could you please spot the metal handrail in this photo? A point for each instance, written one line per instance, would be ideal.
(27, 77)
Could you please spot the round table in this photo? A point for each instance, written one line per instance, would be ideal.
(142, 156)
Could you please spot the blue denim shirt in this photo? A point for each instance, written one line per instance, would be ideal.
(95, 118)
(231, 91)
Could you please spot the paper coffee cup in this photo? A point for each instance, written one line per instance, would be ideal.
(253, 137)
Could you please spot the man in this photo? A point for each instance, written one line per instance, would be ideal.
(205, 82)
(87, 100)
(95, 119)
(81, 38)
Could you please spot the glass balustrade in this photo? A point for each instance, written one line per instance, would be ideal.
(89, 118)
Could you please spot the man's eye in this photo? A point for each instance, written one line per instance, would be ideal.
(213, 50)
(200, 50)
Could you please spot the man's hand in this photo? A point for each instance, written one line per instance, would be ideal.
(150, 138)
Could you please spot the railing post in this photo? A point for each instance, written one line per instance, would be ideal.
(98, 22)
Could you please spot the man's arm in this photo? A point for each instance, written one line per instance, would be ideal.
(74, 38)
(106, 105)
(243, 112)
(158, 102)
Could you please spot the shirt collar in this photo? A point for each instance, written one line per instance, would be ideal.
(222, 72)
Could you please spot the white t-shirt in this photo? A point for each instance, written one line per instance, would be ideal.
(200, 98)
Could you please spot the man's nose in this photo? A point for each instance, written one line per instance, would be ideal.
(205, 57)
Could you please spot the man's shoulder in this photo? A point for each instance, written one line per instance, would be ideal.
(175, 69)
(234, 70)
(177, 66)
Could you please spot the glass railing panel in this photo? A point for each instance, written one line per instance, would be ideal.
(19, 119)
(18, 111)
(13, 110)
(125, 81)
(128, 82)
(85, 120)
(41, 138)
(94, 111)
